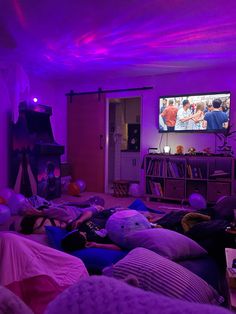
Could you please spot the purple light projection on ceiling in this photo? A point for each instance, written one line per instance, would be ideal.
(120, 37)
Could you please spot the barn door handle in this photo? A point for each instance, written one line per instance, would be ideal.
(101, 141)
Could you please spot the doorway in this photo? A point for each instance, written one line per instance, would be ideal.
(124, 131)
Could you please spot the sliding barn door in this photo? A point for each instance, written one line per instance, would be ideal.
(86, 139)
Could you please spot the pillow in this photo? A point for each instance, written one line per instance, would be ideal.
(123, 222)
(95, 259)
(55, 235)
(99, 294)
(158, 274)
(167, 243)
(224, 208)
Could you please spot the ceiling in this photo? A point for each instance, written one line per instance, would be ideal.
(87, 39)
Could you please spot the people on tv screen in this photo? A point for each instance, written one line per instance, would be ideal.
(199, 113)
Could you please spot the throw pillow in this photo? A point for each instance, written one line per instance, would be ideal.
(55, 235)
(167, 243)
(158, 274)
(95, 259)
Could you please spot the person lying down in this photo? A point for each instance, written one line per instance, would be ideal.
(106, 229)
(38, 212)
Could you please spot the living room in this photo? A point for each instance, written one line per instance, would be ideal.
(147, 51)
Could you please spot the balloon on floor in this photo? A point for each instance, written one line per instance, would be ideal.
(135, 190)
(16, 202)
(2, 200)
(5, 214)
(6, 193)
(73, 189)
(197, 201)
(82, 185)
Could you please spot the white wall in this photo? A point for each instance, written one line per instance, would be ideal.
(53, 94)
(216, 80)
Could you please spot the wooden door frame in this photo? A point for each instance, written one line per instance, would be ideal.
(108, 98)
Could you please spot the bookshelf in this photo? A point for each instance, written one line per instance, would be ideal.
(176, 177)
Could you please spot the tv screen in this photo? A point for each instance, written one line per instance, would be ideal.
(194, 113)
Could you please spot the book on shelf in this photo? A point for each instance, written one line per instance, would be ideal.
(157, 188)
(189, 170)
(155, 167)
(200, 172)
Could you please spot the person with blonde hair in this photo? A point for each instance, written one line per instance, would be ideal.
(198, 117)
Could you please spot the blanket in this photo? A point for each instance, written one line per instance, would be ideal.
(34, 272)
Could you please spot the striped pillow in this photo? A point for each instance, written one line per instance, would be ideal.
(159, 274)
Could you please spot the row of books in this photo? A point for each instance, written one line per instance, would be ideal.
(175, 169)
(154, 188)
(155, 167)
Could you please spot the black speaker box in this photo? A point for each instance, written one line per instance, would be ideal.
(134, 137)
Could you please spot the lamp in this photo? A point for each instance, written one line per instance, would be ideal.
(167, 149)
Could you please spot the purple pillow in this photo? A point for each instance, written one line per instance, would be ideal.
(158, 274)
(99, 294)
(167, 243)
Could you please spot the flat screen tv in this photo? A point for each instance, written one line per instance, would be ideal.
(194, 113)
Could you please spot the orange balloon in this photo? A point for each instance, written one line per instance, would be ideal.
(2, 200)
(73, 189)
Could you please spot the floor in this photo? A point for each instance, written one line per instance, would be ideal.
(111, 201)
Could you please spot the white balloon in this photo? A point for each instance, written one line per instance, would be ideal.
(4, 214)
(16, 202)
(134, 190)
(197, 201)
(82, 185)
(6, 193)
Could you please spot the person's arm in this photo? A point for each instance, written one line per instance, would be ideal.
(225, 125)
(197, 117)
(186, 119)
(84, 217)
(204, 124)
(163, 114)
(102, 245)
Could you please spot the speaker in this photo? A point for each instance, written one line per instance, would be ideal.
(134, 137)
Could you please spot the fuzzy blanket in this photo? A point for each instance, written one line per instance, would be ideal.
(100, 294)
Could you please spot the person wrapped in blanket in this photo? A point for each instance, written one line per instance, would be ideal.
(85, 222)
(38, 212)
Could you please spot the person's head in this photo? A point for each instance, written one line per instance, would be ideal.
(199, 106)
(186, 103)
(171, 102)
(209, 107)
(217, 103)
(164, 102)
(73, 241)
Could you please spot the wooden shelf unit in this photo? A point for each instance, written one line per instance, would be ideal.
(230, 254)
(176, 177)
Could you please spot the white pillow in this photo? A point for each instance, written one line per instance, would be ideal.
(159, 274)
